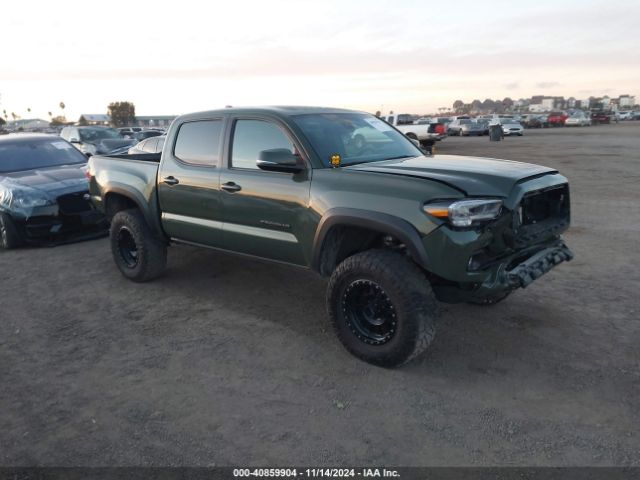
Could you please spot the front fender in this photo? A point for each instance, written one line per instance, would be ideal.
(376, 221)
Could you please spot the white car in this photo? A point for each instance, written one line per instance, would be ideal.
(510, 127)
(625, 115)
(578, 121)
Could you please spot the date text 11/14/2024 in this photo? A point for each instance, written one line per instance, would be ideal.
(316, 472)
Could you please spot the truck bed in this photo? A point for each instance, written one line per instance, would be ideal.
(144, 157)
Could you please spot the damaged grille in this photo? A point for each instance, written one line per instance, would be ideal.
(74, 203)
(542, 214)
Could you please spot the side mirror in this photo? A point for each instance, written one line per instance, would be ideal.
(74, 140)
(278, 160)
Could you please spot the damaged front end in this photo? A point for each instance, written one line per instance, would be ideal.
(52, 216)
(521, 245)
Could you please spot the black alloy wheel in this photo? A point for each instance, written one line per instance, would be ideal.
(369, 312)
(127, 247)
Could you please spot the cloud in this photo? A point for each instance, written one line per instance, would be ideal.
(547, 84)
(511, 86)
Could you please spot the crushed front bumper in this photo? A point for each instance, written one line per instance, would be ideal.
(72, 218)
(537, 265)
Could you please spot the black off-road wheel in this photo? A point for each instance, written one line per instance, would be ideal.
(381, 307)
(9, 235)
(138, 253)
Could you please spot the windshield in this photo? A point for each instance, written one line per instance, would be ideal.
(31, 153)
(356, 137)
(90, 134)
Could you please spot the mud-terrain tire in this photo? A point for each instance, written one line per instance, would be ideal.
(138, 253)
(9, 236)
(492, 300)
(381, 307)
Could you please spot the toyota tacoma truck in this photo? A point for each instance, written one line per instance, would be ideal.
(395, 231)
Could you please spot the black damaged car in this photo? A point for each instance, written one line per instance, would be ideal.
(44, 192)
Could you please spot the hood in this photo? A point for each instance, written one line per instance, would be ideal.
(106, 145)
(473, 176)
(53, 181)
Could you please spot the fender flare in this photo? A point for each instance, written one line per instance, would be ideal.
(137, 198)
(376, 221)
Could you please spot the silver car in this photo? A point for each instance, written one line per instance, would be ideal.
(465, 127)
(511, 127)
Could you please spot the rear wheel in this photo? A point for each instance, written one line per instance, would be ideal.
(382, 307)
(9, 236)
(138, 253)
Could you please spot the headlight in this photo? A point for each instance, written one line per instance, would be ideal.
(464, 213)
(29, 199)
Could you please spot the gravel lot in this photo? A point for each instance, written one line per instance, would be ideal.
(226, 360)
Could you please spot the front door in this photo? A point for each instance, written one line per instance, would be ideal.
(264, 212)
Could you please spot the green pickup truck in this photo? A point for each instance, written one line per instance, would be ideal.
(347, 195)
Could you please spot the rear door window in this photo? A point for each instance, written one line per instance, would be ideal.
(198, 142)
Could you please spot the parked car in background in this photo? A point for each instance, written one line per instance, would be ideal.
(510, 127)
(484, 124)
(148, 145)
(95, 140)
(557, 119)
(128, 132)
(44, 193)
(534, 121)
(578, 120)
(600, 117)
(139, 136)
(422, 133)
(625, 115)
(465, 127)
(443, 120)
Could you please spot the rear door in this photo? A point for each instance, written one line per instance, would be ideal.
(189, 182)
(264, 212)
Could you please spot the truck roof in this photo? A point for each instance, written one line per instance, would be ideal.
(280, 110)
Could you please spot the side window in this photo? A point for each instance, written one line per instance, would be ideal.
(198, 143)
(250, 137)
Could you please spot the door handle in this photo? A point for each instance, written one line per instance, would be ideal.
(171, 180)
(231, 187)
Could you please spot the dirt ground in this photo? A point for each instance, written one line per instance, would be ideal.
(229, 361)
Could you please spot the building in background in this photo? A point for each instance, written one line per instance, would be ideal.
(150, 121)
(27, 125)
(626, 101)
(94, 119)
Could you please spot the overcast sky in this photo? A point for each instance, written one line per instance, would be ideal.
(415, 56)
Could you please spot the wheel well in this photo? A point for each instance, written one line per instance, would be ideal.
(412, 135)
(343, 241)
(116, 202)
